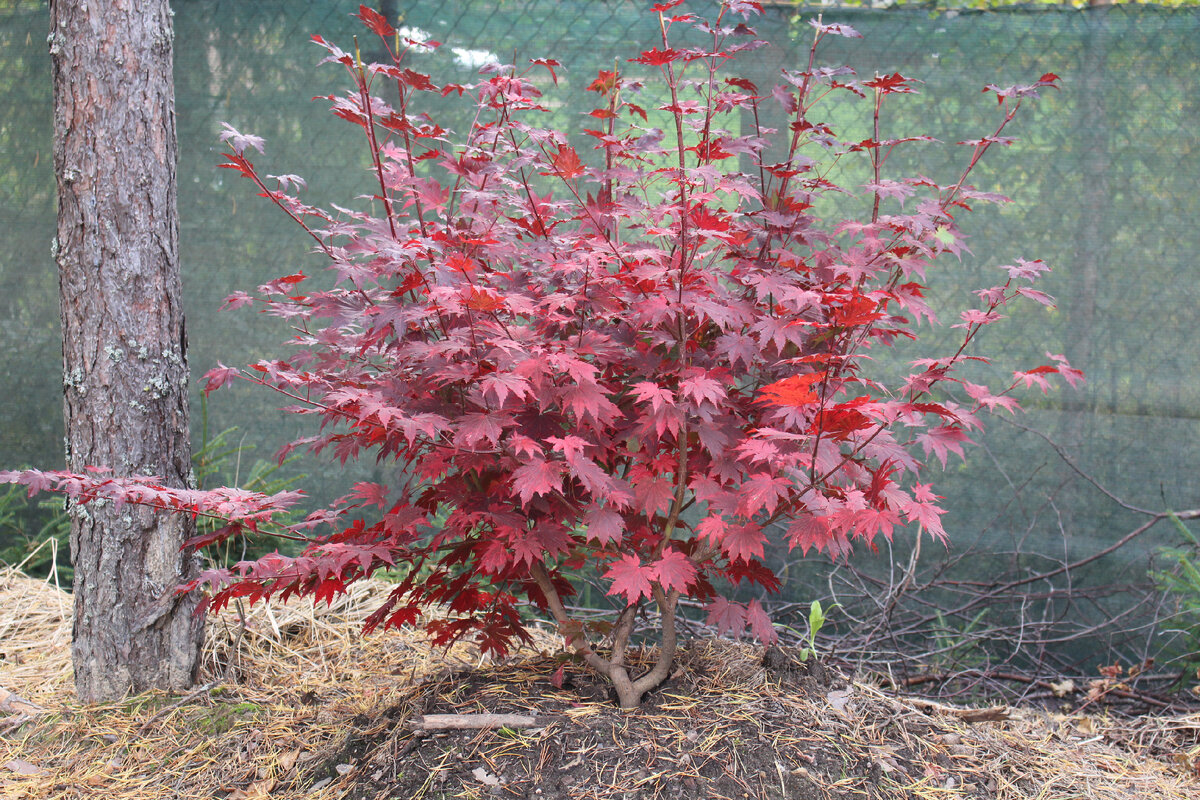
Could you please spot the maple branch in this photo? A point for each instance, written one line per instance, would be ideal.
(397, 58)
(943, 208)
(681, 339)
(679, 502)
(797, 129)
(677, 114)
(758, 161)
(596, 222)
(972, 331)
(667, 603)
(570, 629)
(614, 102)
(629, 692)
(452, 200)
(718, 43)
(621, 633)
(271, 195)
(977, 153)
(93, 495)
(876, 154)
(364, 94)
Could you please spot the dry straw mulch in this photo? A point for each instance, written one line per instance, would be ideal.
(294, 703)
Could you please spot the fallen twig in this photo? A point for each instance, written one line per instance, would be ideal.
(447, 722)
(10, 724)
(990, 714)
(15, 704)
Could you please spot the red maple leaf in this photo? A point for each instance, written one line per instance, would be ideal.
(566, 162)
(236, 300)
(924, 510)
(652, 493)
(629, 578)
(494, 556)
(328, 589)
(743, 83)
(204, 540)
(238, 142)
(727, 616)
(891, 84)
(743, 542)
(604, 525)
(835, 28)
(375, 21)
(1041, 298)
(702, 388)
(712, 149)
(417, 80)
(712, 528)
(674, 571)
(842, 420)
(977, 316)
(218, 376)
(36, 480)
(501, 386)
(809, 532)
(604, 83)
(372, 494)
(548, 63)
(656, 58)
(760, 624)
(753, 571)
(793, 392)
(483, 300)
(475, 428)
(943, 440)
(857, 310)
(983, 395)
(762, 491)
(537, 478)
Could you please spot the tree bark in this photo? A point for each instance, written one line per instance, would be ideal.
(124, 346)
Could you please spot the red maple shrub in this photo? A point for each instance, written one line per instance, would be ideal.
(641, 362)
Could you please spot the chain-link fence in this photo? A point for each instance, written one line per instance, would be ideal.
(1103, 178)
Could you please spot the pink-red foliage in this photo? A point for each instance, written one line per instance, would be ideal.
(618, 352)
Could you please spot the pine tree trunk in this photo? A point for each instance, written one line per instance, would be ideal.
(124, 347)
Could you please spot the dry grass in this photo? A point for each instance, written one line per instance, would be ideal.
(302, 706)
(285, 686)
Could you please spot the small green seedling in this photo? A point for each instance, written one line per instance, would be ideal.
(816, 621)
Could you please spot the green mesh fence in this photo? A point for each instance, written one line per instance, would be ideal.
(1104, 177)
